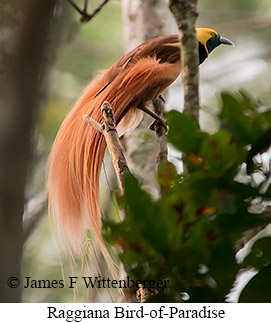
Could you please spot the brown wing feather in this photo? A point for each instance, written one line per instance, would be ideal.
(152, 48)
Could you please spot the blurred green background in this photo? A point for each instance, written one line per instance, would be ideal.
(86, 48)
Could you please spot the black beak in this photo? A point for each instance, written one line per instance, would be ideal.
(226, 41)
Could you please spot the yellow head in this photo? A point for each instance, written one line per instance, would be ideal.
(208, 40)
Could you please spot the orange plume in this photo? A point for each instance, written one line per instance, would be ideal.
(77, 154)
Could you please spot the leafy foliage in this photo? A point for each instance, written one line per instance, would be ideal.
(189, 235)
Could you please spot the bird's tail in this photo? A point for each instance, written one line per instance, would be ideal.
(77, 154)
(73, 174)
(74, 170)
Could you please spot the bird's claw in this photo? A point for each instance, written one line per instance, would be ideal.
(153, 126)
(161, 97)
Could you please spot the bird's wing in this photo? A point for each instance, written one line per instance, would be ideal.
(164, 48)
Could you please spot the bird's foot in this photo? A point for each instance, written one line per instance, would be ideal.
(153, 126)
(158, 120)
(161, 97)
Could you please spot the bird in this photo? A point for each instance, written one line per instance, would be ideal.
(76, 157)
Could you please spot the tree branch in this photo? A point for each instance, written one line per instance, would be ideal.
(85, 17)
(108, 129)
(153, 114)
(185, 14)
(26, 31)
(143, 294)
(159, 108)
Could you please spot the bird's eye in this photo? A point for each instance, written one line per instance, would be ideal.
(213, 34)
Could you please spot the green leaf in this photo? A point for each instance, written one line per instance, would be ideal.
(244, 120)
(203, 295)
(193, 249)
(223, 267)
(260, 254)
(219, 152)
(235, 219)
(258, 288)
(183, 132)
(166, 174)
(156, 221)
(187, 234)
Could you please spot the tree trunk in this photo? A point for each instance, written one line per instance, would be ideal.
(185, 13)
(142, 20)
(23, 34)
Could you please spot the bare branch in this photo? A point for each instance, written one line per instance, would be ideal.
(108, 129)
(152, 114)
(85, 17)
(93, 123)
(76, 7)
(159, 108)
(143, 294)
(86, 6)
(113, 143)
(185, 14)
